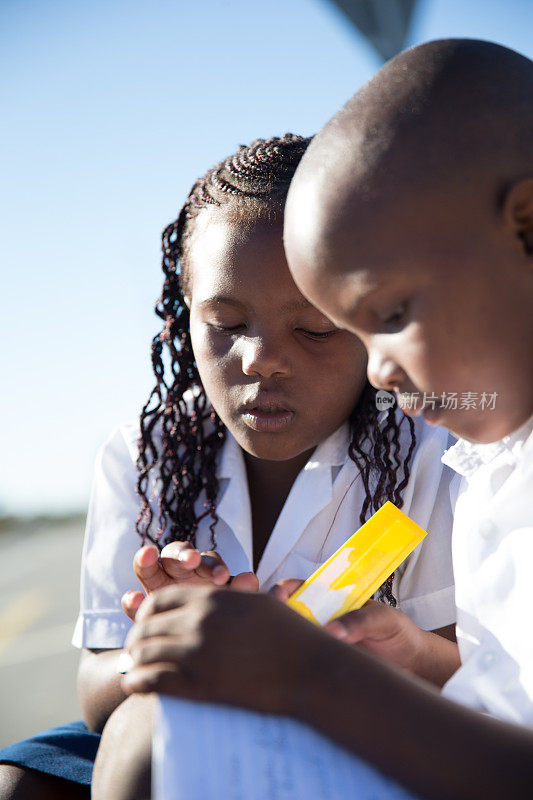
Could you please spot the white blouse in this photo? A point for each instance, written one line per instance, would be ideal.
(492, 558)
(320, 513)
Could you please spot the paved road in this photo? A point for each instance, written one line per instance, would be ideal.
(39, 591)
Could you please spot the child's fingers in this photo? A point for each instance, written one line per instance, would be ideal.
(148, 569)
(212, 568)
(130, 603)
(245, 582)
(367, 621)
(339, 630)
(284, 588)
(179, 559)
(162, 678)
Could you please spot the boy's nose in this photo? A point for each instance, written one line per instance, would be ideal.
(384, 372)
(265, 358)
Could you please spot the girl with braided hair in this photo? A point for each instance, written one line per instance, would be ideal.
(259, 451)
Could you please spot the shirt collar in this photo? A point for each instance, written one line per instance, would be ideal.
(467, 457)
(331, 452)
(231, 458)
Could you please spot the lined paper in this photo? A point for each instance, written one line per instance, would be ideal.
(213, 752)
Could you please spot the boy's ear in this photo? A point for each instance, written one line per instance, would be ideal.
(518, 212)
(187, 301)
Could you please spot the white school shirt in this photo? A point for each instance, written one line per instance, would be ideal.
(320, 513)
(493, 561)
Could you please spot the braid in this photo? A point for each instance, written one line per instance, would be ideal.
(376, 450)
(180, 439)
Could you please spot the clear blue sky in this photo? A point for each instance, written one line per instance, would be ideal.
(111, 109)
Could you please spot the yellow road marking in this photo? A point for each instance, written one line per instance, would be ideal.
(20, 615)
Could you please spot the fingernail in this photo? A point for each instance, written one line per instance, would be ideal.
(124, 663)
(219, 571)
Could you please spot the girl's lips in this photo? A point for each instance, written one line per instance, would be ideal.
(268, 420)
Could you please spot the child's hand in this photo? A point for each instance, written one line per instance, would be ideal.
(384, 631)
(391, 635)
(210, 643)
(180, 562)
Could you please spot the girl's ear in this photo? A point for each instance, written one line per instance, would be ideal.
(187, 300)
(518, 212)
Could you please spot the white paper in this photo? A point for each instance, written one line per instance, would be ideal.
(212, 752)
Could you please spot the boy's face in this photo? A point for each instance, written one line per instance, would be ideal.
(440, 293)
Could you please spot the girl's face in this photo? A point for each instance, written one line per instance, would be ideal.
(279, 374)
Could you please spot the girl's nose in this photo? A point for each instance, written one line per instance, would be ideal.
(383, 372)
(265, 358)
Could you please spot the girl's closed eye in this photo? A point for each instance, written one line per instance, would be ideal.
(309, 333)
(317, 335)
(315, 326)
(226, 328)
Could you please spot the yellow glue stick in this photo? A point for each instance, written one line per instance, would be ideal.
(351, 575)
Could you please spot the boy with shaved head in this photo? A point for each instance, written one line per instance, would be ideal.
(409, 222)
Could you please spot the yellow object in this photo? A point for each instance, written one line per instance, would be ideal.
(351, 575)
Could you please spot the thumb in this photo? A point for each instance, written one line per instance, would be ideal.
(368, 621)
(130, 603)
(245, 582)
(213, 568)
(284, 588)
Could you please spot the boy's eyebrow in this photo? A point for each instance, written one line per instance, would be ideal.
(385, 291)
(364, 296)
(367, 290)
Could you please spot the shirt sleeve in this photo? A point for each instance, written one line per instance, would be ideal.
(424, 583)
(110, 544)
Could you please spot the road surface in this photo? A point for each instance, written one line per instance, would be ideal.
(39, 601)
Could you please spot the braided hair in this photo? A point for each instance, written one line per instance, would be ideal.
(181, 435)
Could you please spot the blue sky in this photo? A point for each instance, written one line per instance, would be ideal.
(111, 110)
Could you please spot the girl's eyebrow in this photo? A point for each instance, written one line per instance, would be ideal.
(217, 299)
(296, 305)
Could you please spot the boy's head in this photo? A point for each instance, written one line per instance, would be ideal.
(410, 222)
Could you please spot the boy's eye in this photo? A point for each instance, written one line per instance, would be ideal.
(397, 315)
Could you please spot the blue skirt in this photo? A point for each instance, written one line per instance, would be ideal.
(67, 751)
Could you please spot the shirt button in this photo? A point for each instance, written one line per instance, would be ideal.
(487, 659)
(487, 529)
